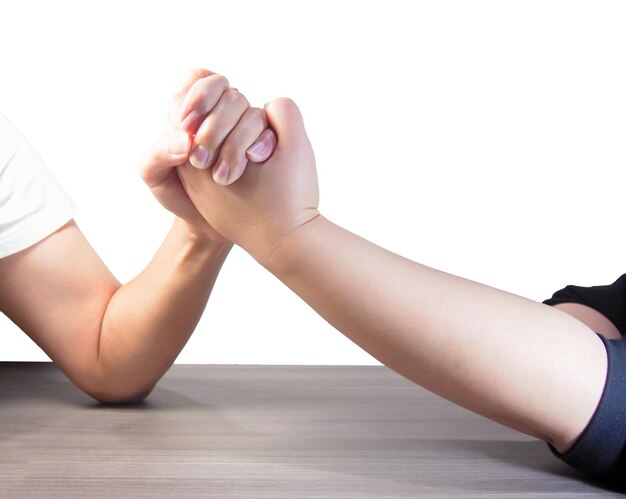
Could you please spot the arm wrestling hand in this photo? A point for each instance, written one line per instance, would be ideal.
(199, 92)
(269, 201)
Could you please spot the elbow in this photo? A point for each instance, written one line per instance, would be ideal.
(118, 394)
(123, 398)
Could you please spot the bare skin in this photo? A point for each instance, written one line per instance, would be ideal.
(113, 341)
(116, 341)
(517, 362)
(594, 319)
(523, 364)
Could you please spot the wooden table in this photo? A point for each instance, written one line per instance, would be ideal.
(264, 431)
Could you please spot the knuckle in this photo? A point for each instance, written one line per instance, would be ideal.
(199, 72)
(231, 94)
(218, 80)
(244, 101)
(197, 75)
(257, 115)
(234, 96)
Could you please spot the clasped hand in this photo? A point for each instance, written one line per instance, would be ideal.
(233, 172)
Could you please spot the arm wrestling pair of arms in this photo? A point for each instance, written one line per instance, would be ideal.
(463, 340)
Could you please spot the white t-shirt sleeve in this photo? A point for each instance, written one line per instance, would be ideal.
(32, 204)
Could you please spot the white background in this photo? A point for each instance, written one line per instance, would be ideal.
(485, 139)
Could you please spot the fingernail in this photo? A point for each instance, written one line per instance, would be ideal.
(180, 144)
(259, 149)
(199, 157)
(220, 173)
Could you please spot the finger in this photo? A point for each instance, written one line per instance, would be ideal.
(249, 141)
(170, 150)
(201, 98)
(216, 127)
(285, 118)
(188, 80)
(263, 147)
(182, 88)
(232, 159)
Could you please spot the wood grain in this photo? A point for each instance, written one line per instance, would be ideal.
(264, 431)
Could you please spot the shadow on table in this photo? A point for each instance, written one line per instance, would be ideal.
(530, 455)
(43, 382)
(533, 455)
(504, 468)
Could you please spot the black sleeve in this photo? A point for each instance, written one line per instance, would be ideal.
(609, 300)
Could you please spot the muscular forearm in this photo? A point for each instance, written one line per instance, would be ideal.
(148, 320)
(461, 339)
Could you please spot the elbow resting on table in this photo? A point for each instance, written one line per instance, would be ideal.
(107, 391)
(119, 396)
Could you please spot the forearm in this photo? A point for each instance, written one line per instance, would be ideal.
(148, 320)
(483, 348)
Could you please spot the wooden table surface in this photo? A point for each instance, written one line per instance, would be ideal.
(264, 431)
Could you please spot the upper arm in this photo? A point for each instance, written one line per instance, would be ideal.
(57, 292)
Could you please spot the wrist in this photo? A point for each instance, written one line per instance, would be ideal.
(197, 243)
(280, 254)
(195, 235)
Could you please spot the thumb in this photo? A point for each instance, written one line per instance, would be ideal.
(284, 116)
(170, 150)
